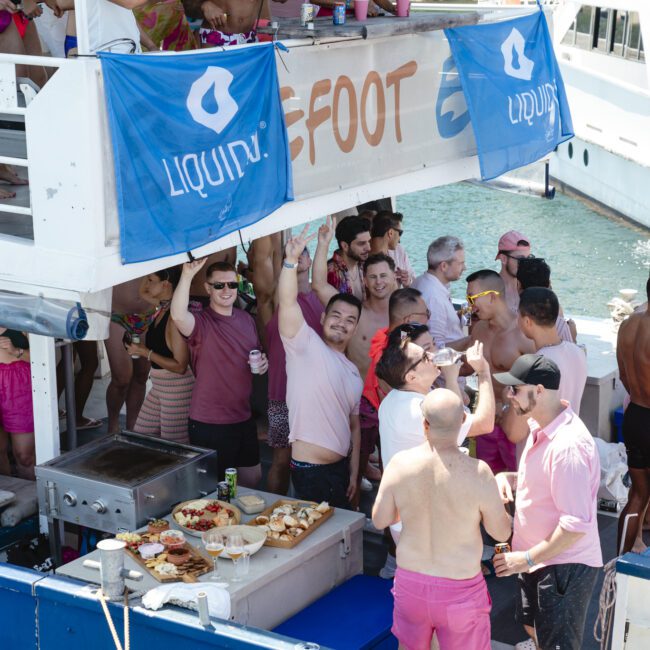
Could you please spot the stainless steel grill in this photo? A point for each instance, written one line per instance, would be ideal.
(119, 482)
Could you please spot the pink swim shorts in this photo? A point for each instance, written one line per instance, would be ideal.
(458, 611)
(497, 451)
(16, 409)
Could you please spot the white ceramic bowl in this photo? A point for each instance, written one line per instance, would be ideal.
(254, 538)
(628, 294)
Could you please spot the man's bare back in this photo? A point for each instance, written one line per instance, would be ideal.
(359, 346)
(442, 497)
(633, 356)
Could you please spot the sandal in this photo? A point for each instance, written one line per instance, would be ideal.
(89, 423)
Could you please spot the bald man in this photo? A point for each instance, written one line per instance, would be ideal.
(441, 496)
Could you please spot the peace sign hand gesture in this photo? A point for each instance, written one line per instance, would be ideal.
(296, 245)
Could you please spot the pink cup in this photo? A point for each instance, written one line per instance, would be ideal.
(403, 8)
(361, 10)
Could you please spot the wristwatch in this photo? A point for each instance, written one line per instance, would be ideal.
(289, 265)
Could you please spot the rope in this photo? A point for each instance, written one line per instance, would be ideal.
(606, 602)
(111, 626)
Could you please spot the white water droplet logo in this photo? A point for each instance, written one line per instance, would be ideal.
(215, 80)
(515, 62)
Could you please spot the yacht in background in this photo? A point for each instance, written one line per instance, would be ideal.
(600, 50)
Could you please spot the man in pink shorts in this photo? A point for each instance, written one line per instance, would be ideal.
(439, 586)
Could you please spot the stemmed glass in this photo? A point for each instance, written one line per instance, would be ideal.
(213, 542)
(235, 549)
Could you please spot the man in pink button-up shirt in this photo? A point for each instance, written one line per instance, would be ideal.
(556, 547)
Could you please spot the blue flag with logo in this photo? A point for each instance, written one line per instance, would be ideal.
(200, 146)
(514, 91)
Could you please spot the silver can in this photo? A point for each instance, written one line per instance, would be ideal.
(135, 339)
(255, 361)
(307, 13)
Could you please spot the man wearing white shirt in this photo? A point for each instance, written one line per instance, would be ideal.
(446, 262)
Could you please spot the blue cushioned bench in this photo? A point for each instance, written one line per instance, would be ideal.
(356, 615)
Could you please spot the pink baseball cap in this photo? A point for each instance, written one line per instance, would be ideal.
(511, 241)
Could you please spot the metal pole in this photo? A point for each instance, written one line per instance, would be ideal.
(70, 406)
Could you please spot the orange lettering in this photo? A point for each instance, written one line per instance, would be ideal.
(345, 83)
(317, 117)
(373, 139)
(393, 79)
(295, 145)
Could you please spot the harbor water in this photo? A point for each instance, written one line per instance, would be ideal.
(591, 256)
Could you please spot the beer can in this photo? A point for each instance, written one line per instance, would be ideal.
(338, 15)
(504, 547)
(307, 13)
(231, 479)
(135, 339)
(223, 491)
(255, 361)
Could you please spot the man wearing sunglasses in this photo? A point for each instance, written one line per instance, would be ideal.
(220, 339)
(513, 246)
(385, 234)
(323, 389)
(503, 343)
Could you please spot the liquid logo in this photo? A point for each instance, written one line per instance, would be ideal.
(218, 81)
(515, 63)
(452, 115)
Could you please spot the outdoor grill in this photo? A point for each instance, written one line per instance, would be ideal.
(119, 482)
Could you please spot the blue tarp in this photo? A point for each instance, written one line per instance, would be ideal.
(199, 143)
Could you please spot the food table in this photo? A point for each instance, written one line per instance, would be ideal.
(281, 581)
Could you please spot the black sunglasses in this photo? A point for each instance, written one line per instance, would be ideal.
(514, 257)
(222, 285)
(426, 357)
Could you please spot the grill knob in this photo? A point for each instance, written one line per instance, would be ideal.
(99, 507)
(70, 499)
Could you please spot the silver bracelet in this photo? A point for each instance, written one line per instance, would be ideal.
(149, 354)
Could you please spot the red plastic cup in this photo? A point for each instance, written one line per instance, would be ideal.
(361, 10)
(403, 8)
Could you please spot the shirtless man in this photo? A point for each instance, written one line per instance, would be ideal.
(422, 487)
(130, 314)
(503, 343)
(633, 356)
(513, 246)
(227, 22)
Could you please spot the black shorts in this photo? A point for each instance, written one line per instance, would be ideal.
(236, 444)
(322, 482)
(636, 434)
(554, 600)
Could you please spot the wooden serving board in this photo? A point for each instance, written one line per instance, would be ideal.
(196, 566)
(280, 543)
(206, 515)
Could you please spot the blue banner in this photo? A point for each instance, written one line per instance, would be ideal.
(200, 146)
(514, 91)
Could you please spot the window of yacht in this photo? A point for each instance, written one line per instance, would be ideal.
(604, 22)
(620, 31)
(579, 33)
(633, 40)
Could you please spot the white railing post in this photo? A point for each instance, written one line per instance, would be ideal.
(82, 8)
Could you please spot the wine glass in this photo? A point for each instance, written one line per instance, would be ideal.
(213, 543)
(235, 549)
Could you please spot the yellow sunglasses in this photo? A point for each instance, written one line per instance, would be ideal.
(472, 299)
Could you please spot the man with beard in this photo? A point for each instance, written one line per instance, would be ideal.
(513, 246)
(555, 547)
(380, 282)
(323, 390)
(446, 262)
(344, 270)
(503, 343)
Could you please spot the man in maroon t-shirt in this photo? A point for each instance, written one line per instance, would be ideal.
(220, 339)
